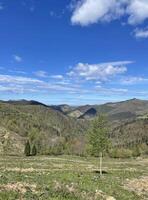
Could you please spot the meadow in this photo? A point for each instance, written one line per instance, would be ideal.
(72, 178)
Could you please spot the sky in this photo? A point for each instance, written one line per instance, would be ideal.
(74, 51)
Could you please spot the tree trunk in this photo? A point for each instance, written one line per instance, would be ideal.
(100, 163)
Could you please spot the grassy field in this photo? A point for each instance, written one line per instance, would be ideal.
(72, 178)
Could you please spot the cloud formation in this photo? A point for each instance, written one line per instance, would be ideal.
(99, 72)
(92, 11)
(141, 33)
(22, 84)
(88, 12)
(60, 77)
(83, 79)
(41, 74)
(137, 10)
(17, 58)
(133, 80)
(18, 79)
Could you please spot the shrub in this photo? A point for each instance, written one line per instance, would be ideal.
(136, 152)
(144, 149)
(27, 149)
(120, 153)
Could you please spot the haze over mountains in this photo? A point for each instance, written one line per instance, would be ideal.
(49, 126)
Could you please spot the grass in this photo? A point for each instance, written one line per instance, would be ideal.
(69, 178)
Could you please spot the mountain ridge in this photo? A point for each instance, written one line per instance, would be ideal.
(64, 126)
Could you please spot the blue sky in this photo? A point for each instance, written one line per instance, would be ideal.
(74, 51)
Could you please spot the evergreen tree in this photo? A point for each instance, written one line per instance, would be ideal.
(27, 149)
(34, 150)
(98, 138)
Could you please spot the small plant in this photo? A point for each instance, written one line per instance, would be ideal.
(27, 149)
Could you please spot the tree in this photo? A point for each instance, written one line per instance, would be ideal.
(27, 149)
(34, 150)
(98, 138)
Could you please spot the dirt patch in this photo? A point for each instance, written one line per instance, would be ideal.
(103, 196)
(139, 186)
(19, 187)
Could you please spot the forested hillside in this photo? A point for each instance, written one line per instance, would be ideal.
(40, 124)
(62, 129)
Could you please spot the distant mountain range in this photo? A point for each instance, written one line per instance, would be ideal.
(52, 125)
(116, 111)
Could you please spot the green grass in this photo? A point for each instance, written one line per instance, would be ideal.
(67, 178)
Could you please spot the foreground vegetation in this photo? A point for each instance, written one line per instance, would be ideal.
(72, 178)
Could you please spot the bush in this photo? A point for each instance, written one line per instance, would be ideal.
(144, 149)
(27, 149)
(56, 150)
(120, 153)
(136, 152)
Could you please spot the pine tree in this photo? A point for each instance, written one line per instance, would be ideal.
(34, 150)
(98, 138)
(27, 149)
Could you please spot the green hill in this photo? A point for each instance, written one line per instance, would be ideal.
(43, 125)
(62, 129)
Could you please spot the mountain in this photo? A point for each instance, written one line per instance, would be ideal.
(65, 127)
(41, 124)
(119, 111)
(90, 113)
(64, 108)
(130, 133)
(23, 102)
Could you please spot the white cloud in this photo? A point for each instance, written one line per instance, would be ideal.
(91, 11)
(119, 90)
(57, 76)
(57, 87)
(141, 33)
(94, 79)
(41, 74)
(21, 84)
(18, 84)
(138, 11)
(133, 80)
(17, 58)
(99, 72)
(87, 12)
(18, 79)
(110, 91)
(16, 89)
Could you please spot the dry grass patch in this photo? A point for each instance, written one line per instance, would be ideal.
(19, 187)
(139, 186)
(72, 189)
